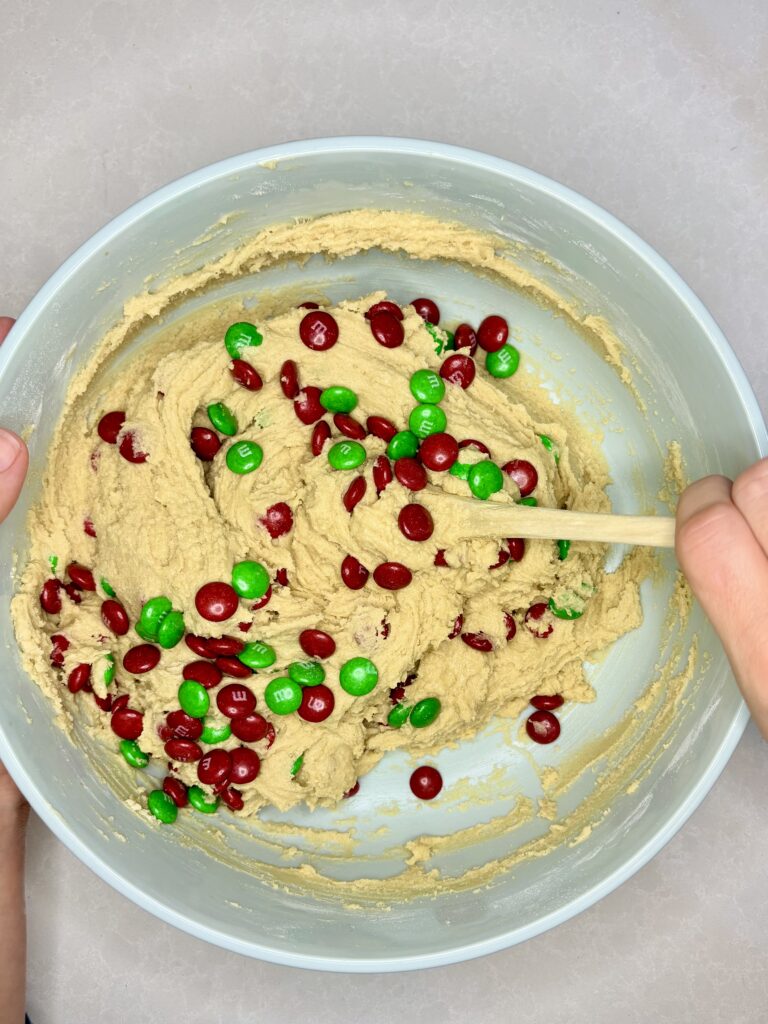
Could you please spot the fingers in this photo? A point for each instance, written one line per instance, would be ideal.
(728, 571)
(6, 323)
(750, 496)
(13, 469)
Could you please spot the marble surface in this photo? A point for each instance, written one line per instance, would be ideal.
(657, 111)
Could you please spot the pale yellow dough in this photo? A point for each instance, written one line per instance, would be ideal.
(174, 523)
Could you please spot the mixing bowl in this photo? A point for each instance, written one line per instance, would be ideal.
(683, 372)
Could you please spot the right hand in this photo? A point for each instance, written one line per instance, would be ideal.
(722, 547)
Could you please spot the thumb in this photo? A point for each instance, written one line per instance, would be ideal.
(13, 468)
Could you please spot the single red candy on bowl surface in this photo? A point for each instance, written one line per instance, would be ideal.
(50, 597)
(278, 519)
(464, 337)
(205, 443)
(78, 677)
(382, 473)
(548, 702)
(353, 791)
(392, 575)
(141, 658)
(353, 573)
(427, 310)
(439, 451)
(321, 432)
(307, 405)
(110, 425)
(381, 427)
(203, 672)
(289, 379)
(410, 474)
(355, 493)
(458, 369)
(127, 723)
(130, 450)
(250, 728)
(115, 617)
(319, 331)
(317, 703)
(317, 643)
(387, 330)
(385, 306)
(183, 726)
(246, 765)
(492, 333)
(235, 700)
(185, 751)
(80, 576)
(426, 782)
(524, 475)
(415, 523)
(478, 642)
(233, 667)
(245, 375)
(542, 727)
(538, 620)
(349, 427)
(216, 601)
(176, 790)
(214, 767)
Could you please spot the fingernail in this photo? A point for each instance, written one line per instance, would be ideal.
(10, 449)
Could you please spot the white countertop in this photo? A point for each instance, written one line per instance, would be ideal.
(657, 111)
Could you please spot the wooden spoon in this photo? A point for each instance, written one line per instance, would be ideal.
(473, 518)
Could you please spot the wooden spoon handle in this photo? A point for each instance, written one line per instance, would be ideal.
(491, 519)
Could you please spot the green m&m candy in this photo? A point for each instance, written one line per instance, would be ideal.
(404, 445)
(296, 766)
(109, 671)
(240, 336)
(563, 547)
(257, 655)
(427, 386)
(162, 806)
(200, 801)
(425, 712)
(358, 676)
(398, 716)
(346, 455)
(484, 479)
(550, 445)
(133, 754)
(244, 457)
(152, 614)
(53, 561)
(194, 699)
(108, 590)
(565, 612)
(215, 732)
(222, 418)
(530, 501)
(306, 673)
(170, 630)
(282, 696)
(338, 399)
(460, 470)
(427, 419)
(250, 579)
(504, 362)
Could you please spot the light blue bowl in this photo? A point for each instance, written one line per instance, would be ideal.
(695, 392)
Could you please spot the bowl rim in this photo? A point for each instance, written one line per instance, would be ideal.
(695, 309)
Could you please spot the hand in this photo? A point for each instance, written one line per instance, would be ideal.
(722, 547)
(13, 469)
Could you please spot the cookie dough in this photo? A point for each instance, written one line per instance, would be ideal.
(172, 523)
